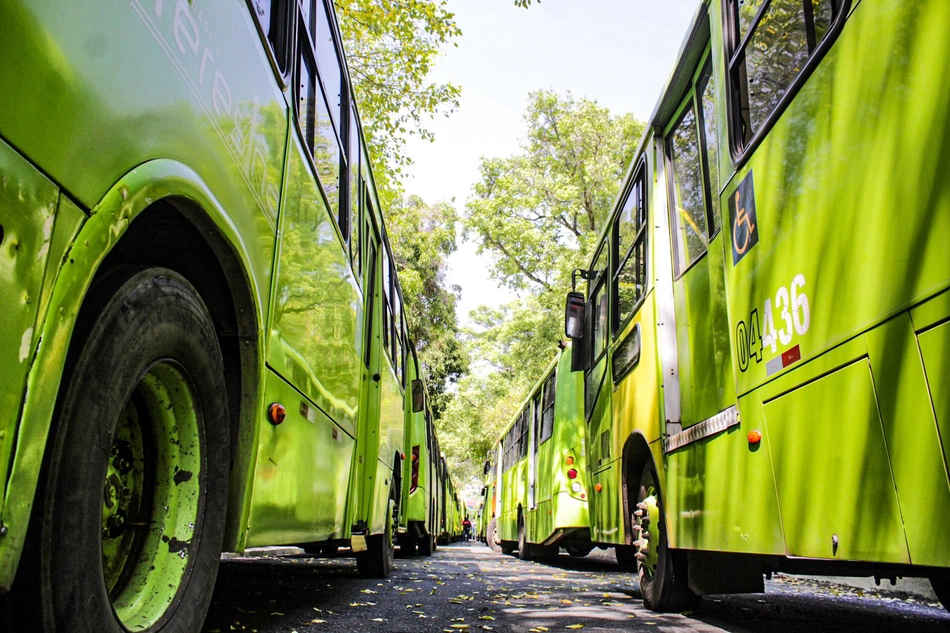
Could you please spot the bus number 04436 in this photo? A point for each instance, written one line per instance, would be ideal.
(793, 315)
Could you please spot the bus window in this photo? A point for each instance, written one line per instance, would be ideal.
(775, 39)
(320, 118)
(707, 90)
(547, 416)
(306, 97)
(356, 236)
(523, 440)
(630, 279)
(274, 24)
(328, 62)
(689, 222)
(354, 189)
(536, 421)
(387, 303)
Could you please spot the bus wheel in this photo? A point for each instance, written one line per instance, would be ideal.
(426, 545)
(941, 587)
(377, 560)
(137, 479)
(662, 572)
(491, 536)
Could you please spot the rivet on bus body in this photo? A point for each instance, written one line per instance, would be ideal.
(754, 437)
(598, 487)
(276, 413)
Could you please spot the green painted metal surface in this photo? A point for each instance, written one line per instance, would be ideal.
(28, 201)
(315, 327)
(302, 466)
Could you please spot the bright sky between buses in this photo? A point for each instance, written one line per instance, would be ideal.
(617, 52)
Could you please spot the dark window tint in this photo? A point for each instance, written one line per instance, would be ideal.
(328, 61)
(536, 420)
(547, 417)
(630, 280)
(598, 304)
(307, 97)
(689, 212)
(707, 90)
(775, 39)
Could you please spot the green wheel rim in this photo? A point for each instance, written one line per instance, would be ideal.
(152, 496)
(649, 559)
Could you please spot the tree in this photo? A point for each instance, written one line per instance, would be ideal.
(422, 237)
(391, 46)
(538, 215)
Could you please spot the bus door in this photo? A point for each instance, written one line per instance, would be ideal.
(533, 451)
(596, 379)
(707, 385)
(372, 358)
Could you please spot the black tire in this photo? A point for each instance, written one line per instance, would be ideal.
(491, 536)
(142, 422)
(578, 551)
(663, 578)
(941, 587)
(426, 545)
(377, 560)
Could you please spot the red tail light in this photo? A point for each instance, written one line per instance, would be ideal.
(414, 480)
(572, 474)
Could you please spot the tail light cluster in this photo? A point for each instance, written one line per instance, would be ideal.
(577, 488)
(414, 478)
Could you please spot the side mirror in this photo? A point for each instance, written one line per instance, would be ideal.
(487, 467)
(574, 315)
(418, 396)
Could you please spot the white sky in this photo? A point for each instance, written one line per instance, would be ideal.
(617, 52)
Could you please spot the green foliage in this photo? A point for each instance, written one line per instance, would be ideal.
(538, 215)
(391, 46)
(422, 236)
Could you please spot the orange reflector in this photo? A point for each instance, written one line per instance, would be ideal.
(276, 413)
(572, 474)
(570, 460)
(402, 456)
(598, 487)
(754, 437)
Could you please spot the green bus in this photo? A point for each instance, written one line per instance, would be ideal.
(541, 500)
(203, 342)
(419, 524)
(767, 316)
(450, 506)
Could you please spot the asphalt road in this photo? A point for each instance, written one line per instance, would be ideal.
(467, 587)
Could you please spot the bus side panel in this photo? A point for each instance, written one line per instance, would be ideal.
(315, 325)
(606, 511)
(911, 431)
(849, 189)
(833, 505)
(721, 492)
(27, 213)
(303, 467)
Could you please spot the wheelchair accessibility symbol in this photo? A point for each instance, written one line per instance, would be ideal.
(745, 232)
